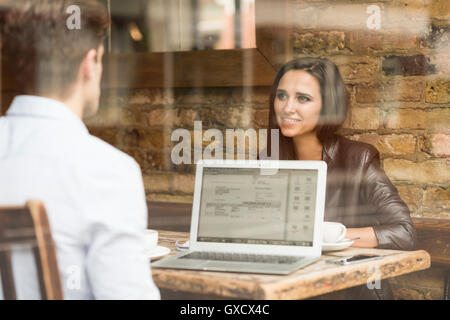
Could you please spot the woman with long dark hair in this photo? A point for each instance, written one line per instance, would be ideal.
(308, 104)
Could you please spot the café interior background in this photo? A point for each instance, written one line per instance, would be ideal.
(396, 67)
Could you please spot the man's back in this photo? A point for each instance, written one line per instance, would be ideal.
(94, 198)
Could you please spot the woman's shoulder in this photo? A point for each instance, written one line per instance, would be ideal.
(355, 150)
(350, 144)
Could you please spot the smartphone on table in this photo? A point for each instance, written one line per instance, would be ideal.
(355, 259)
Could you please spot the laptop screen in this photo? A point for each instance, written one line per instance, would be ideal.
(241, 205)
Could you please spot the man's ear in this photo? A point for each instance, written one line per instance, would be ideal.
(100, 53)
(89, 63)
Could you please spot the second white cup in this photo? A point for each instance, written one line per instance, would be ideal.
(333, 232)
(151, 239)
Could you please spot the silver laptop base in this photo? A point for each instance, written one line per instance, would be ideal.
(174, 262)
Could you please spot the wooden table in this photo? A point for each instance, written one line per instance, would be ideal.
(316, 279)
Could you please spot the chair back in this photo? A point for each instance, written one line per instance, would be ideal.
(29, 226)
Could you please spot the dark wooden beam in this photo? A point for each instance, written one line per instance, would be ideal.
(209, 68)
(274, 29)
(169, 216)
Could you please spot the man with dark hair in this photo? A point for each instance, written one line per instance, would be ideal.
(93, 193)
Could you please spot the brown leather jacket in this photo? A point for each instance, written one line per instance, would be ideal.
(359, 194)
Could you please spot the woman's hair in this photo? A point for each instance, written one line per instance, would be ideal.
(334, 101)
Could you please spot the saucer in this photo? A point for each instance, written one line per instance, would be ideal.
(340, 245)
(158, 252)
(182, 246)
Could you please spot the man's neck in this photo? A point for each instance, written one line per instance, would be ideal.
(73, 102)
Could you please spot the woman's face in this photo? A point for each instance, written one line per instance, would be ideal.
(297, 103)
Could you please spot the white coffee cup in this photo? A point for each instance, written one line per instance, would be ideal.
(151, 239)
(333, 232)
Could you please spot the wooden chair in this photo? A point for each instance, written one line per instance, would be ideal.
(29, 226)
(434, 237)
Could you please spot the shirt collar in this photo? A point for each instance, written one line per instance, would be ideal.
(36, 106)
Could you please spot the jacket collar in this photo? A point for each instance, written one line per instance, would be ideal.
(329, 149)
(40, 107)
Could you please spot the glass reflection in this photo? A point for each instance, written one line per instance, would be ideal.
(181, 25)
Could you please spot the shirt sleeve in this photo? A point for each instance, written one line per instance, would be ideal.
(117, 266)
(394, 229)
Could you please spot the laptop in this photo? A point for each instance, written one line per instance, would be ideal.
(254, 216)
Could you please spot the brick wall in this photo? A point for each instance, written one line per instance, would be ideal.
(397, 76)
(399, 82)
(140, 122)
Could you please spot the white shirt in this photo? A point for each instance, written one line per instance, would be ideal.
(94, 197)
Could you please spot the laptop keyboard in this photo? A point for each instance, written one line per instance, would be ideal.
(241, 257)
